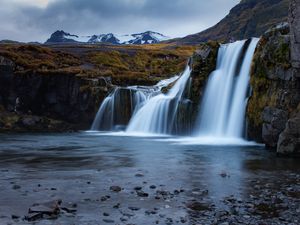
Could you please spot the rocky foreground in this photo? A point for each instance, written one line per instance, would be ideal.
(85, 179)
(267, 203)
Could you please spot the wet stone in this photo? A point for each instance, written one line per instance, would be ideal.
(15, 187)
(103, 198)
(139, 175)
(108, 221)
(198, 206)
(15, 217)
(117, 206)
(115, 188)
(48, 210)
(133, 208)
(123, 219)
(142, 194)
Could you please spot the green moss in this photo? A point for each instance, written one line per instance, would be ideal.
(272, 52)
(37, 57)
(109, 59)
(124, 64)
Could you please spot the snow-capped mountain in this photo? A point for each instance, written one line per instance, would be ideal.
(107, 38)
(62, 37)
(148, 37)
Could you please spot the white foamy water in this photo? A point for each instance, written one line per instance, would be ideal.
(113, 107)
(222, 112)
(158, 114)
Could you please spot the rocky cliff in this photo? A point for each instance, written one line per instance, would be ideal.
(59, 88)
(45, 101)
(289, 139)
(273, 108)
(250, 18)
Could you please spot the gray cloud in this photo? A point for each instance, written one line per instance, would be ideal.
(84, 17)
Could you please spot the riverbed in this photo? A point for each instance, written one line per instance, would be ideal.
(98, 178)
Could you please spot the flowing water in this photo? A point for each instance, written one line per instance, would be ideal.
(117, 109)
(157, 116)
(162, 180)
(222, 112)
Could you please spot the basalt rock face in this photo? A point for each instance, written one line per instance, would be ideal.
(294, 20)
(272, 108)
(35, 101)
(203, 63)
(289, 139)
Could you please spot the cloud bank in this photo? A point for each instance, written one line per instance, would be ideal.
(35, 20)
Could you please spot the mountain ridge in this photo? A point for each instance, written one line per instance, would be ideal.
(148, 37)
(249, 18)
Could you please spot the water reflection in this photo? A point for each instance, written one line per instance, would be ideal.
(224, 170)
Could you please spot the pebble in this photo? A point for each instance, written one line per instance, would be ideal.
(115, 188)
(138, 188)
(139, 175)
(142, 194)
(133, 208)
(108, 221)
(14, 217)
(15, 187)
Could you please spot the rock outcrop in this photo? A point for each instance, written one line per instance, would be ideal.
(29, 99)
(273, 108)
(294, 20)
(60, 87)
(203, 62)
(289, 139)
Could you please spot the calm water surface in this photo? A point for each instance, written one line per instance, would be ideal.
(69, 160)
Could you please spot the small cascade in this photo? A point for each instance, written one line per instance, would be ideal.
(117, 109)
(158, 115)
(224, 102)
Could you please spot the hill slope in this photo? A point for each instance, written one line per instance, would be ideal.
(247, 19)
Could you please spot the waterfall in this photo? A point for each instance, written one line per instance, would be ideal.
(158, 115)
(122, 103)
(142, 109)
(224, 102)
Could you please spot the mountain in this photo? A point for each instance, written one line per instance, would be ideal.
(106, 38)
(60, 36)
(8, 42)
(250, 18)
(148, 37)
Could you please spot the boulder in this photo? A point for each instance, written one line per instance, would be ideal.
(30, 121)
(294, 20)
(289, 139)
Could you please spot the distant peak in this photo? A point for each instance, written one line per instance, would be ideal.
(147, 37)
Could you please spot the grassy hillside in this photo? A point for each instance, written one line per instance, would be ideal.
(250, 18)
(122, 63)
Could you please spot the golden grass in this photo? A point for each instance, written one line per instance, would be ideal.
(126, 61)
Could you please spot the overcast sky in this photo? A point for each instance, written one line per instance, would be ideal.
(35, 20)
